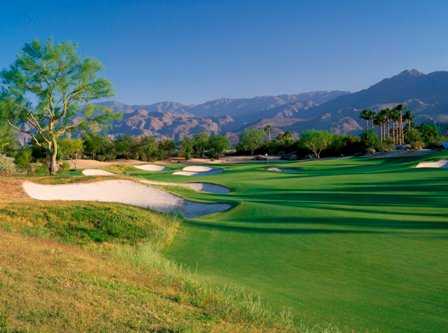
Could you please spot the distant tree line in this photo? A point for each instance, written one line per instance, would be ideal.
(384, 131)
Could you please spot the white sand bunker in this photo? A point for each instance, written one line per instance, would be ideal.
(434, 164)
(194, 170)
(96, 172)
(184, 173)
(197, 168)
(198, 187)
(150, 167)
(123, 191)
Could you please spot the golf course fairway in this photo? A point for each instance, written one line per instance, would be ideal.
(356, 242)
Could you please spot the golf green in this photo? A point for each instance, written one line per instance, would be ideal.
(360, 243)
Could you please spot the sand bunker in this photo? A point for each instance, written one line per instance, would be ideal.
(150, 167)
(198, 187)
(96, 172)
(433, 164)
(197, 168)
(122, 191)
(194, 170)
(184, 173)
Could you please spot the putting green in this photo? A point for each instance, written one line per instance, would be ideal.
(361, 243)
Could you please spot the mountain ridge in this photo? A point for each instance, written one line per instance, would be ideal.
(335, 110)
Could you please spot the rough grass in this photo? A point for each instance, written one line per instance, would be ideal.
(88, 267)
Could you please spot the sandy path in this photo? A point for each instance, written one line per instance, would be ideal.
(433, 164)
(122, 191)
(96, 172)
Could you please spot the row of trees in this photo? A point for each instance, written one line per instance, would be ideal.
(391, 122)
(145, 148)
(324, 143)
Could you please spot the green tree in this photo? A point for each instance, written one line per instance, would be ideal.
(70, 148)
(369, 140)
(217, 144)
(430, 134)
(125, 146)
(24, 158)
(251, 139)
(200, 144)
(147, 148)
(186, 147)
(166, 148)
(98, 147)
(414, 138)
(47, 92)
(316, 141)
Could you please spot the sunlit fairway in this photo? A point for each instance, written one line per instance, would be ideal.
(361, 243)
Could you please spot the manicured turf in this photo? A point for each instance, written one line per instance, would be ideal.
(361, 243)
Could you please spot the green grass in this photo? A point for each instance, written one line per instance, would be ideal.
(361, 243)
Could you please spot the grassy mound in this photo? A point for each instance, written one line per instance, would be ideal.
(76, 267)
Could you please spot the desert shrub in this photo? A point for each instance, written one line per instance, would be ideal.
(7, 166)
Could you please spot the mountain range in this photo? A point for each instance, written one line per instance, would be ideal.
(425, 94)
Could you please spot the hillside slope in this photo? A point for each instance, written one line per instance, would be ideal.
(90, 267)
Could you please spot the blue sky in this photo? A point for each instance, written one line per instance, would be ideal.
(192, 51)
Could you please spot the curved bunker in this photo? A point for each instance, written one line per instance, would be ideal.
(150, 167)
(123, 191)
(197, 170)
(96, 172)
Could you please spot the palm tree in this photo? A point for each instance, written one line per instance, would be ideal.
(394, 115)
(379, 120)
(399, 109)
(408, 116)
(368, 116)
(268, 130)
(387, 120)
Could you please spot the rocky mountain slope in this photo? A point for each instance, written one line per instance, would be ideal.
(425, 94)
(226, 115)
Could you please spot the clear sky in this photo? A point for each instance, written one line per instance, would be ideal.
(192, 51)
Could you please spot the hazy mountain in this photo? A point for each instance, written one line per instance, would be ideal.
(226, 115)
(425, 94)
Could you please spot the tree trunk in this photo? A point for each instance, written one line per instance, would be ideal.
(53, 166)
